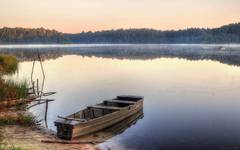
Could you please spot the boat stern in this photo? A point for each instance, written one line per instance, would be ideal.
(64, 130)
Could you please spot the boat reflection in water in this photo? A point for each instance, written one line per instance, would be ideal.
(108, 133)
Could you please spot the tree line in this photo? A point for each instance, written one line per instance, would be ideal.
(225, 34)
(27, 35)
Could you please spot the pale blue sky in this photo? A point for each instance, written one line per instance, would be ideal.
(78, 15)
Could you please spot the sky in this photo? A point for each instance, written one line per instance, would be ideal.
(73, 16)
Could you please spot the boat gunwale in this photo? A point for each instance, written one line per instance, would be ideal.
(103, 121)
(107, 115)
(61, 121)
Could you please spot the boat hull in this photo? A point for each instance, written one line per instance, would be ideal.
(67, 130)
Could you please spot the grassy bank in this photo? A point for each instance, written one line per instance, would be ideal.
(13, 89)
(17, 118)
(10, 89)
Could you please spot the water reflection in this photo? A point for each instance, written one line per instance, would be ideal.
(228, 54)
(188, 104)
(114, 130)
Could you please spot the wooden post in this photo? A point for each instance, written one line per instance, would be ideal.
(93, 113)
(37, 88)
(46, 111)
(33, 86)
(83, 115)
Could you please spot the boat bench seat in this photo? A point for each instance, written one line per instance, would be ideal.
(72, 119)
(105, 107)
(120, 101)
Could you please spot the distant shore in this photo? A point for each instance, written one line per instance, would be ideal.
(225, 34)
(44, 45)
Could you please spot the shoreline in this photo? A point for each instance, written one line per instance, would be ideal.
(25, 136)
(30, 138)
(63, 45)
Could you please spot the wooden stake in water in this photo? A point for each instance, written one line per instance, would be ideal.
(33, 86)
(46, 111)
(37, 88)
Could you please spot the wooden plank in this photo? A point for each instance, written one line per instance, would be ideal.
(105, 107)
(130, 97)
(119, 101)
(75, 119)
(71, 142)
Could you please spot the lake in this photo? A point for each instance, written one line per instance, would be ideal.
(189, 103)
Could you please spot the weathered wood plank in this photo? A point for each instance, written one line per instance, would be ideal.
(70, 142)
(75, 119)
(119, 101)
(105, 107)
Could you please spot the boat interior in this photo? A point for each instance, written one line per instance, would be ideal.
(104, 108)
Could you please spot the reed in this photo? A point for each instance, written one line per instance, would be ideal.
(19, 119)
(8, 64)
(10, 89)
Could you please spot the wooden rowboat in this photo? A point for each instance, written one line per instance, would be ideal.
(98, 117)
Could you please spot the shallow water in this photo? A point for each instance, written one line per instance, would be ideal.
(188, 104)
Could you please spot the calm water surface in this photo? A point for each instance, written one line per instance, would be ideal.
(188, 104)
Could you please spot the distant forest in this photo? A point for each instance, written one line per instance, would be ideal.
(225, 34)
(26, 36)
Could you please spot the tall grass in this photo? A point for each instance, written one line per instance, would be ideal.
(8, 64)
(10, 89)
(13, 89)
(19, 119)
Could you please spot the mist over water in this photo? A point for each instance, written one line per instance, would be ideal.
(224, 53)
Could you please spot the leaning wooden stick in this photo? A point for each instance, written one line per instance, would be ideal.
(70, 142)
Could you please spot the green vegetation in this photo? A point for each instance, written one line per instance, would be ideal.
(11, 89)
(8, 64)
(225, 34)
(3, 147)
(11, 119)
(25, 35)
(17, 148)
(19, 119)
